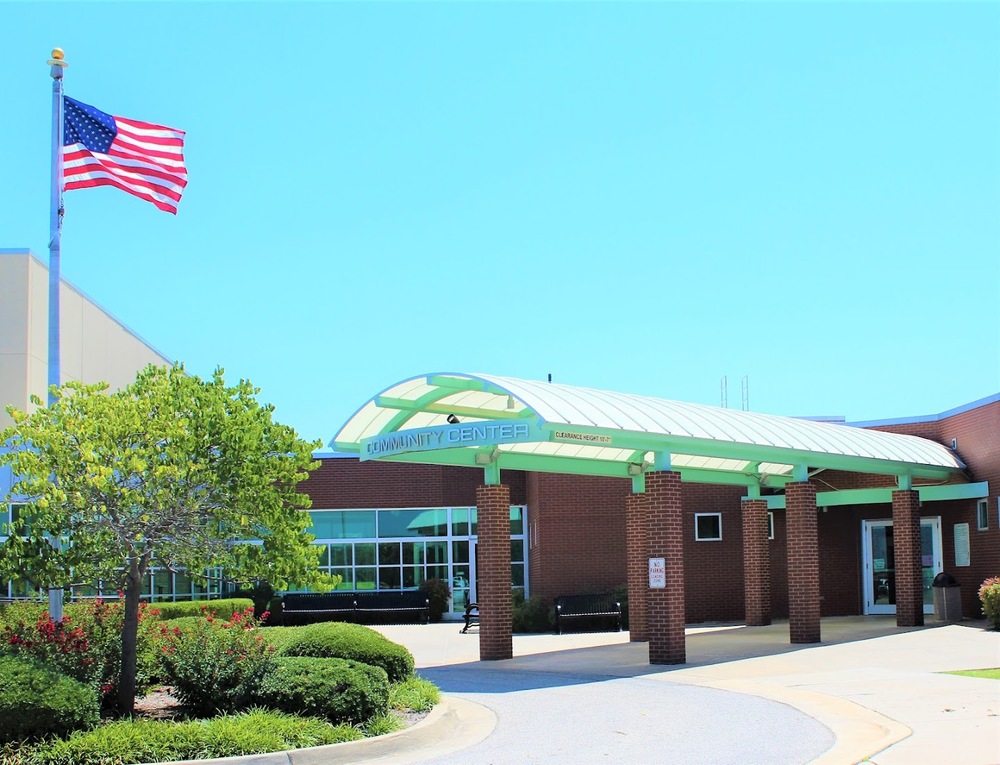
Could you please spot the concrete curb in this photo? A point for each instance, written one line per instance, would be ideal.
(452, 725)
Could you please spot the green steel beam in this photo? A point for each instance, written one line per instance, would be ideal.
(459, 411)
(954, 491)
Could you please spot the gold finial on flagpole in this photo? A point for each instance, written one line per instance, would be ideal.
(58, 58)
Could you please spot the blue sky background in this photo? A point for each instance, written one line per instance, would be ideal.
(642, 197)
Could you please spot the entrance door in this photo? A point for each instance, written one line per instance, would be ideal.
(880, 565)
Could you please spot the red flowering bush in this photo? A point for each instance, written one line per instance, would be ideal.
(85, 646)
(216, 666)
(989, 595)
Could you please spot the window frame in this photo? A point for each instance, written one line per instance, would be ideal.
(982, 515)
(698, 538)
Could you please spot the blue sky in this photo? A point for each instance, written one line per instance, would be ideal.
(642, 197)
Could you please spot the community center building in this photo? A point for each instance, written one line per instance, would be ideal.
(700, 513)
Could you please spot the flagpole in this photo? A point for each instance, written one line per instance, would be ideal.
(57, 65)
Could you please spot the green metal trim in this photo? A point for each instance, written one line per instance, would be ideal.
(954, 491)
(454, 383)
(491, 474)
(639, 484)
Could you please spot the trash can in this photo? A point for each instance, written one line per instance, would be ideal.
(947, 598)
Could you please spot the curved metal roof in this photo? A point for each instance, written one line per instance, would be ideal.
(478, 419)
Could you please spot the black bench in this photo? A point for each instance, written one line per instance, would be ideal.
(471, 616)
(308, 607)
(388, 607)
(600, 607)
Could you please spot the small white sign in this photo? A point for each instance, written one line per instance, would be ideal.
(962, 557)
(658, 573)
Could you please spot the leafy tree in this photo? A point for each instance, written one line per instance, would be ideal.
(172, 471)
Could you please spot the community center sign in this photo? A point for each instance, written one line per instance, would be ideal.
(486, 433)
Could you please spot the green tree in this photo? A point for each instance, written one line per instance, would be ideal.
(172, 471)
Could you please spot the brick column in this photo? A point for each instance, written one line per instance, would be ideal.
(908, 564)
(636, 566)
(803, 563)
(665, 607)
(756, 563)
(496, 639)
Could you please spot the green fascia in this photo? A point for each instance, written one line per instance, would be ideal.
(884, 496)
(703, 447)
(979, 490)
(348, 447)
(455, 383)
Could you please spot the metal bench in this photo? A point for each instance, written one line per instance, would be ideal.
(597, 608)
(388, 607)
(471, 616)
(308, 607)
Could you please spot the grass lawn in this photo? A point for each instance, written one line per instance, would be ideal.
(988, 674)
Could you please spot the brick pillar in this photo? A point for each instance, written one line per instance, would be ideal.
(496, 639)
(803, 563)
(908, 563)
(636, 566)
(665, 607)
(756, 563)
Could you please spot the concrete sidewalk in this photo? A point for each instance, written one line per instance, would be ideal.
(877, 688)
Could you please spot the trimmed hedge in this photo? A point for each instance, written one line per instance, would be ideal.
(36, 701)
(254, 732)
(220, 609)
(338, 690)
(340, 640)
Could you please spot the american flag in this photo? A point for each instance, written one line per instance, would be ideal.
(137, 157)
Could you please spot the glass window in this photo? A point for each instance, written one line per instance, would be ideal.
(517, 551)
(346, 578)
(517, 575)
(707, 527)
(460, 551)
(516, 521)
(413, 553)
(388, 553)
(364, 554)
(413, 576)
(437, 552)
(770, 525)
(412, 523)
(388, 578)
(341, 555)
(460, 521)
(343, 524)
(364, 578)
(982, 515)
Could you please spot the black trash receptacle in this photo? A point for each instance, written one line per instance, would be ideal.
(947, 598)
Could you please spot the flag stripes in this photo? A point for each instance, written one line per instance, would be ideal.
(143, 159)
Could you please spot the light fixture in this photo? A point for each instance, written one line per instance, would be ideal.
(453, 420)
(487, 458)
(510, 402)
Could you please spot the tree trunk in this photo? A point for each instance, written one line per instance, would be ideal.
(130, 637)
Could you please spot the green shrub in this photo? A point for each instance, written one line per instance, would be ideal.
(414, 695)
(36, 701)
(279, 637)
(217, 666)
(382, 725)
(338, 690)
(253, 732)
(262, 595)
(340, 640)
(86, 644)
(438, 596)
(531, 615)
(989, 595)
(219, 609)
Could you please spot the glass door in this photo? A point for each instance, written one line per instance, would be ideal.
(879, 563)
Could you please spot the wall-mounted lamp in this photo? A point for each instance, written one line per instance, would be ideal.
(637, 468)
(510, 402)
(487, 458)
(453, 420)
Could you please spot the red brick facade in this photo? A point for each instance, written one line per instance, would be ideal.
(756, 564)
(803, 562)
(665, 606)
(495, 635)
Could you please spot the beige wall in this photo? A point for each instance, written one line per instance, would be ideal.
(95, 347)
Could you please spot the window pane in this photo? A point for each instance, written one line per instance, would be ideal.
(460, 551)
(460, 521)
(182, 584)
(474, 518)
(365, 578)
(388, 553)
(413, 523)
(437, 552)
(413, 553)
(517, 575)
(347, 578)
(517, 550)
(388, 578)
(516, 521)
(343, 524)
(413, 576)
(324, 556)
(364, 554)
(708, 526)
(438, 572)
(341, 555)
(162, 584)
